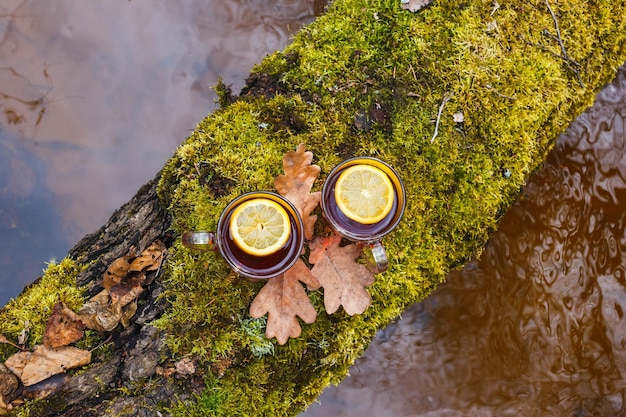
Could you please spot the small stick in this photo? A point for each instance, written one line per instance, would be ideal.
(3, 339)
(571, 64)
(413, 72)
(447, 96)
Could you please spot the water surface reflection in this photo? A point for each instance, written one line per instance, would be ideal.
(95, 96)
(536, 326)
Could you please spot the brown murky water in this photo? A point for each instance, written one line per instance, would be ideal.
(94, 98)
(536, 326)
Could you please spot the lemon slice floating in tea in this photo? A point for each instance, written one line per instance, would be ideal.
(260, 227)
(364, 194)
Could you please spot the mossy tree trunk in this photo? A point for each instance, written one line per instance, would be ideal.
(365, 79)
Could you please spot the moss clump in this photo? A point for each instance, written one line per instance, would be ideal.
(390, 69)
(29, 312)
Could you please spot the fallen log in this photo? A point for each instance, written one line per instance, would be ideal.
(463, 100)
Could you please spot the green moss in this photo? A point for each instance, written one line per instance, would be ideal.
(368, 56)
(255, 340)
(32, 308)
(207, 403)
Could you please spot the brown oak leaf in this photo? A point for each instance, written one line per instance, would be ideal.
(99, 313)
(296, 185)
(344, 280)
(117, 271)
(42, 363)
(284, 298)
(123, 294)
(150, 259)
(63, 327)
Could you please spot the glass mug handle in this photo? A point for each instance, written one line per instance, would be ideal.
(199, 240)
(376, 256)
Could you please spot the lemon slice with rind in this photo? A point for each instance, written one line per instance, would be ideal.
(364, 194)
(260, 226)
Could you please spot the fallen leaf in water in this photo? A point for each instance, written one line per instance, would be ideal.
(42, 363)
(63, 327)
(283, 298)
(344, 280)
(296, 185)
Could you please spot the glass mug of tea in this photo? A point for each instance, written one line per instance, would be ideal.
(364, 199)
(259, 234)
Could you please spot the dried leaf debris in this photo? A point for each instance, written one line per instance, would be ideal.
(43, 362)
(123, 282)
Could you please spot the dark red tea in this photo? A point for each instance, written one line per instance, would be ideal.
(352, 229)
(260, 266)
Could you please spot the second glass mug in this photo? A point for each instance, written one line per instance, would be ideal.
(245, 264)
(367, 235)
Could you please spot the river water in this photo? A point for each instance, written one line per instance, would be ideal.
(96, 96)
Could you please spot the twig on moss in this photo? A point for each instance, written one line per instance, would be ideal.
(499, 94)
(3, 339)
(446, 97)
(572, 64)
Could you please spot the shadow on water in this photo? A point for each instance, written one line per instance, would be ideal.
(536, 326)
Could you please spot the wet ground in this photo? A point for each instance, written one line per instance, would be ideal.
(95, 97)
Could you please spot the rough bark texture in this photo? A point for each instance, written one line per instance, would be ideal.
(137, 350)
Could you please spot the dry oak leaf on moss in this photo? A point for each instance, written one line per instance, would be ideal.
(283, 298)
(42, 363)
(344, 280)
(296, 185)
